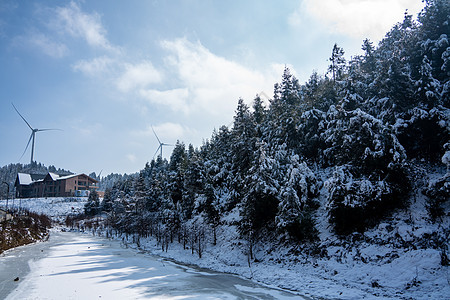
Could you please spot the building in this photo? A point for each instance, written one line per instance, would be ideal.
(53, 185)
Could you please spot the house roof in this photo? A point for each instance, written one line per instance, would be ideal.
(24, 179)
(76, 175)
(53, 176)
(27, 179)
(68, 176)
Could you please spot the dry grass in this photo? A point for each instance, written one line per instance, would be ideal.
(24, 229)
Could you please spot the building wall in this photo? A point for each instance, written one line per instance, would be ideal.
(80, 182)
(24, 191)
(70, 186)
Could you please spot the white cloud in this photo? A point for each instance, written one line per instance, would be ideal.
(177, 99)
(194, 81)
(68, 20)
(95, 67)
(169, 132)
(79, 24)
(210, 83)
(138, 76)
(356, 18)
(45, 44)
(126, 77)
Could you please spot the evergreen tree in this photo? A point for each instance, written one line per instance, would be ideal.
(283, 112)
(141, 194)
(337, 67)
(177, 168)
(92, 207)
(212, 210)
(296, 202)
(107, 202)
(288, 90)
(259, 112)
(193, 183)
(260, 199)
(243, 138)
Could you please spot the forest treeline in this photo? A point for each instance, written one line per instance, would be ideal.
(359, 134)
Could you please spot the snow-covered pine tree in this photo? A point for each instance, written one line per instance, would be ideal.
(92, 206)
(296, 202)
(260, 202)
(338, 63)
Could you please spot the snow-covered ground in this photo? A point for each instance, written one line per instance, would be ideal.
(81, 266)
(56, 208)
(363, 272)
(387, 262)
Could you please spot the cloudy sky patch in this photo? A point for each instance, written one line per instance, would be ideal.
(106, 72)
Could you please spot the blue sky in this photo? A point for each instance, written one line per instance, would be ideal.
(106, 71)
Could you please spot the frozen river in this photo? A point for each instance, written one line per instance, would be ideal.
(80, 266)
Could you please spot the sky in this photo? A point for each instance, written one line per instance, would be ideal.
(106, 72)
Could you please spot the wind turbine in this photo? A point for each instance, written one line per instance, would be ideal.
(161, 145)
(32, 136)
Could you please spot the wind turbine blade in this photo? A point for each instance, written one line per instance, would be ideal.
(28, 144)
(47, 129)
(164, 144)
(156, 151)
(156, 136)
(22, 117)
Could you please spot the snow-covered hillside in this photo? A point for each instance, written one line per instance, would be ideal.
(398, 259)
(393, 260)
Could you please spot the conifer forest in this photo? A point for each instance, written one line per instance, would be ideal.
(360, 137)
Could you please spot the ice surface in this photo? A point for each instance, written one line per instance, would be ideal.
(81, 266)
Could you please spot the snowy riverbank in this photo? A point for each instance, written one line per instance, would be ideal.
(366, 271)
(402, 258)
(392, 261)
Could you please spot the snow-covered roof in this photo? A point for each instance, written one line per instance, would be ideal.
(68, 176)
(75, 175)
(53, 175)
(24, 179)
